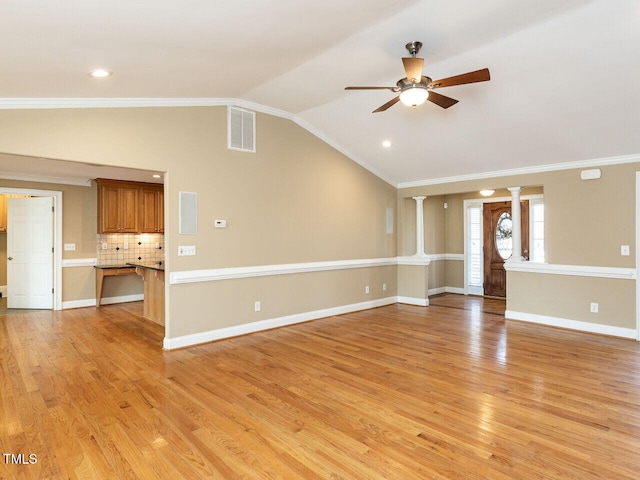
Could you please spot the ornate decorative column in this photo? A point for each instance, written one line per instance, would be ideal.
(419, 227)
(516, 232)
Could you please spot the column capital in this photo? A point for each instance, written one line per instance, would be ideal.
(514, 189)
(419, 198)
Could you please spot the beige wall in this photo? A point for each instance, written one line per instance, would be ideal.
(569, 297)
(299, 200)
(79, 226)
(79, 220)
(79, 283)
(230, 303)
(295, 200)
(586, 222)
(413, 281)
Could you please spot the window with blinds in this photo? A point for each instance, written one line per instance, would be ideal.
(537, 230)
(474, 249)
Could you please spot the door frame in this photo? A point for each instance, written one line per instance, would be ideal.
(57, 235)
(637, 256)
(481, 202)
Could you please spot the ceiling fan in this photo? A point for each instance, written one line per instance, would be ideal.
(415, 88)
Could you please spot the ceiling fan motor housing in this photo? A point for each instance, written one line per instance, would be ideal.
(413, 47)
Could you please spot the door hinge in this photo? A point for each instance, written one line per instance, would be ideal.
(52, 290)
(53, 208)
(52, 249)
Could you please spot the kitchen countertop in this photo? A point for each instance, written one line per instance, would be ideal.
(108, 267)
(152, 266)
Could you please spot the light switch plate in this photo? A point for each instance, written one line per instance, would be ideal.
(186, 251)
(624, 250)
(68, 247)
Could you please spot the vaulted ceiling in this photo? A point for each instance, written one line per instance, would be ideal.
(564, 73)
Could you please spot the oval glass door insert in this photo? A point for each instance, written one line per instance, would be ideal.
(504, 242)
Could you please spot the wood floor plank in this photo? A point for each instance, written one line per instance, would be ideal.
(448, 391)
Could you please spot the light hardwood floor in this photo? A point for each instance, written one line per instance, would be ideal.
(449, 391)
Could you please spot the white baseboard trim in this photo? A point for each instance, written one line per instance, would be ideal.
(3, 290)
(91, 302)
(420, 302)
(228, 332)
(571, 324)
(439, 290)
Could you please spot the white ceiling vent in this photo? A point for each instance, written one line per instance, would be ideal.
(241, 128)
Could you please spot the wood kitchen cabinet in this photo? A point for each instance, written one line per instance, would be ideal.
(152, 209)
(118, 207)
(3, 213)
(130, 207)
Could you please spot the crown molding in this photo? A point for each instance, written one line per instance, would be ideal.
(596, 162)
(60, 103)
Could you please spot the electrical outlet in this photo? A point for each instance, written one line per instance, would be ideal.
(104, 246)
(594, 307)
(384, 287)
(366, 289)
(257, 306)
(125, 246)
(624, 250)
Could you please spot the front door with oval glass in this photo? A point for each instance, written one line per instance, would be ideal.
(498, 244)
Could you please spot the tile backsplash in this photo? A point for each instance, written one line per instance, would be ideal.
(130, 248)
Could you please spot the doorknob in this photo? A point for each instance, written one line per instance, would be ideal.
(9, 258)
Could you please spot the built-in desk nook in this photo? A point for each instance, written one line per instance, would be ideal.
(153, 277)
(103, 271)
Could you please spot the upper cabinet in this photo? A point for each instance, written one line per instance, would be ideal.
(130, 207)
(3, 213)
(152, 209)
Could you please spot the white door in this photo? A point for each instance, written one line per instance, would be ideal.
(30, 252)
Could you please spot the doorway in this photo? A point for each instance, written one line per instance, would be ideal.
(498, 244)
(475, 244)
(30, 253)
(54, 269)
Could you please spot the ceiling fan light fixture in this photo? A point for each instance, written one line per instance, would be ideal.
(487, 193)
(414, 95)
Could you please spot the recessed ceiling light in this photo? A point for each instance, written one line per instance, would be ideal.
(386, 143)
(100, 73)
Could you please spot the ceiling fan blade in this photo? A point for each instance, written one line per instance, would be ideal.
(413, 68)
(370, 88)
(441, 100)
(390, 103)
(471, 77)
